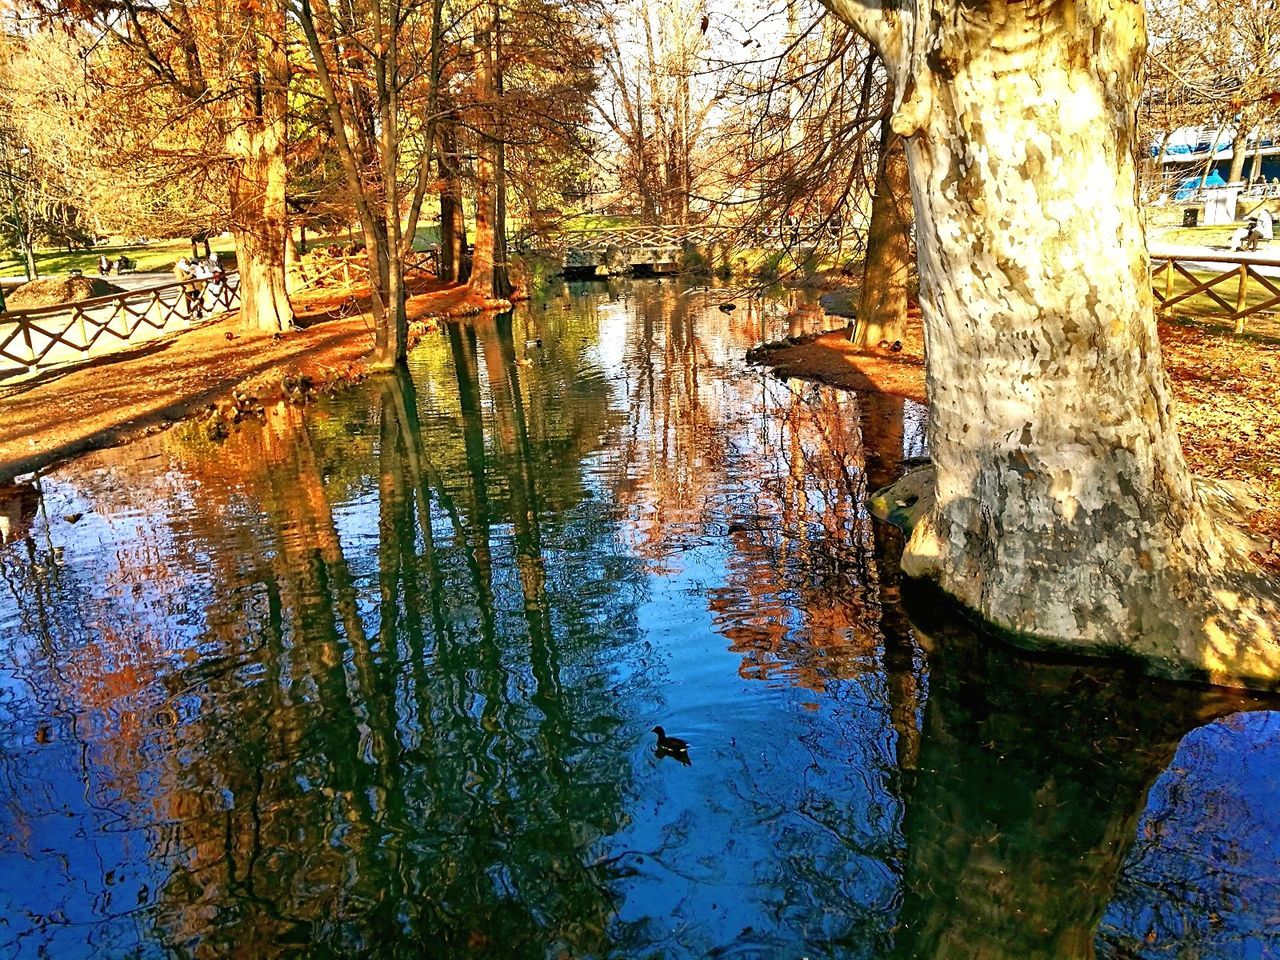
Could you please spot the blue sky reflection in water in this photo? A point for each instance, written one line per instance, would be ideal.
(376, 678)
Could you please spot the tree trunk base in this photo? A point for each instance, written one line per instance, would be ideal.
(1200, 618)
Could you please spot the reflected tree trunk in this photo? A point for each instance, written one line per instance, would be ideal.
(1031, 780)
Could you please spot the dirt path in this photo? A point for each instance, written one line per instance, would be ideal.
(1225, 385)
(133, 392)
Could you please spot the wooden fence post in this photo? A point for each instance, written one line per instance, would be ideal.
(82, 326)
(1240, 297)
(26, 336)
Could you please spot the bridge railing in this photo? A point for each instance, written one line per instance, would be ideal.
(66, 332)
(674, 235)
(324, 271)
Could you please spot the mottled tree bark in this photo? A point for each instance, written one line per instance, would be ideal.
(481, 279)
(454, 261)
(1063, 510)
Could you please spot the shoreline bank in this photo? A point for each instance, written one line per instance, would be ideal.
(1223, 387)
(120, 397)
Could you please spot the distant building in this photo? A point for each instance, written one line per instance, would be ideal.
(1187, 150)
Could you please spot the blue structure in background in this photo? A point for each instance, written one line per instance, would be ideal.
(1192, 184)
(1188, 151)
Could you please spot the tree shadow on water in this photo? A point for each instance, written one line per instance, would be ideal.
(1031, 778)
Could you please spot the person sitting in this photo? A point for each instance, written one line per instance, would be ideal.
(1246, 237)
(1265, 226)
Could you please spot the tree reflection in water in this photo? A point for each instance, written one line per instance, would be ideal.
(376, 678)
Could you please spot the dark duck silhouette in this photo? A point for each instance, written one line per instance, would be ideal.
(672, 747)
(728, 307)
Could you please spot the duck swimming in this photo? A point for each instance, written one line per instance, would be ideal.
(672, 747)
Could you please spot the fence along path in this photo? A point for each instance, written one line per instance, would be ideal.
(1190, 278)
(66, 332)
(41, 337)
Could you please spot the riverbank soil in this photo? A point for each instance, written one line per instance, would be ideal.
(123, 395)
(1225, 387)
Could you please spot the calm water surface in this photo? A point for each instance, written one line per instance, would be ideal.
(376, 678)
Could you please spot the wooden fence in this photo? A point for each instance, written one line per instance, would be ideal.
(323, 271)
(67, 332)
(1235, 286)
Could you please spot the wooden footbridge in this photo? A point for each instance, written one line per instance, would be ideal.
(659, 247)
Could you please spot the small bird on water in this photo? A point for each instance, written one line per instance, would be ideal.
(672, 747)
(728, 307)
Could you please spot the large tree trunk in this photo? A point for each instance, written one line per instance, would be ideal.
(1063, 511)
(454, 265)
(482, 259)
(1239, 151)
(502, 286)
(28, 244)
(391, 337)
(449, 257)
(259, 220)
(481, 278)
(259, 227)
(882, 306)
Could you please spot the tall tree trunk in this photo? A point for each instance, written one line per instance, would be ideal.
(28, 244)
(258, 225)
(447, 267)
(454, 262)
(259, 221)
(482, 259)
(882, 306)
(1239, 152)
(481, 277)
(1063, 510)
(502, 286)
(391, 337)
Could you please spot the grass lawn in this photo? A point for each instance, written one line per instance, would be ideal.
(600, 221)
(163, 254)
(1217, 236)
(157, 255)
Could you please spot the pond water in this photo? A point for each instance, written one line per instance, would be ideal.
(376, 677)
